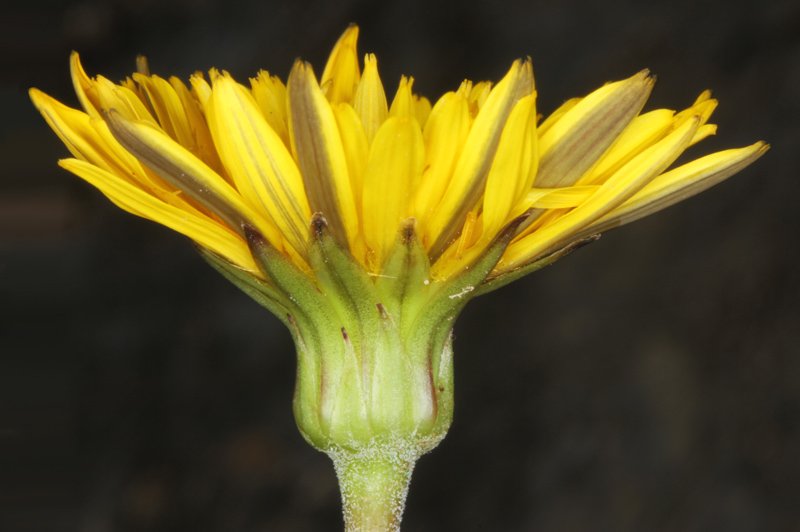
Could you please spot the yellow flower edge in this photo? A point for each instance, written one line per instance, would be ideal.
(208, 157)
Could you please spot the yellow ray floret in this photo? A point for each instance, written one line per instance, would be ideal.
(319, 151)
(258, 161)
(370, 98)
(466, 184)
(393, 172)
(213, 159)
(342, 71)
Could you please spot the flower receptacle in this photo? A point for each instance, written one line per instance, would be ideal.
(359, 391)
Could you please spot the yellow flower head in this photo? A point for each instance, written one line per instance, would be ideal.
(366, 223)
(214, 159)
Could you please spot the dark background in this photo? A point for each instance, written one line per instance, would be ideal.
(649, 382)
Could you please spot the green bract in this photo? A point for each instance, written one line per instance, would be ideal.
(374, 353)
(375, 360)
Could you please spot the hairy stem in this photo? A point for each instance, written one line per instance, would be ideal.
(374, 484)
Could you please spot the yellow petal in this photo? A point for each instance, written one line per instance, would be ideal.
(320, 155)
(124, 164)
(643, 131)
(198, 126)
(703, 132)
(648, 128)
(469, 177)
(179, 167)
(89, 139)
(270, 94)
(578, 138)
(403, 102)
(445, 133)
(559, 198)
(556, 115)
(618, 188)
(478, 94)
(393, 171)
(84, 86)
(370, 98)
(200, 88)
(422, 109)
(510, 168)
(703, 107)
(123, 100)
(212, 158)
(355, 145)
(258, 161)
(341, 75)
(168, 109)
(204, 231)
(468, 237)
(681, 183)
(74, 129)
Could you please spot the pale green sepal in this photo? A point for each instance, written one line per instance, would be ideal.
(430, 331)
(372, 379)
(297, 286)
(404, 283)
(262, 293)
(441, 371)
(321, 343)
(359, 379)
(344, 283)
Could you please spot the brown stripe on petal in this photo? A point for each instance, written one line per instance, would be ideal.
(318, 154)
(574, 154)
(171, 172)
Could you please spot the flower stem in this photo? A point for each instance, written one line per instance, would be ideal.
(374, 484)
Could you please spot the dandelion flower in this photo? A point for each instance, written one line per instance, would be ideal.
(366, 220)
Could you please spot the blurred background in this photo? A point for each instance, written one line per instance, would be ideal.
(648, 382)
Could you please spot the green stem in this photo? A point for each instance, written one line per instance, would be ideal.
(374, 484)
